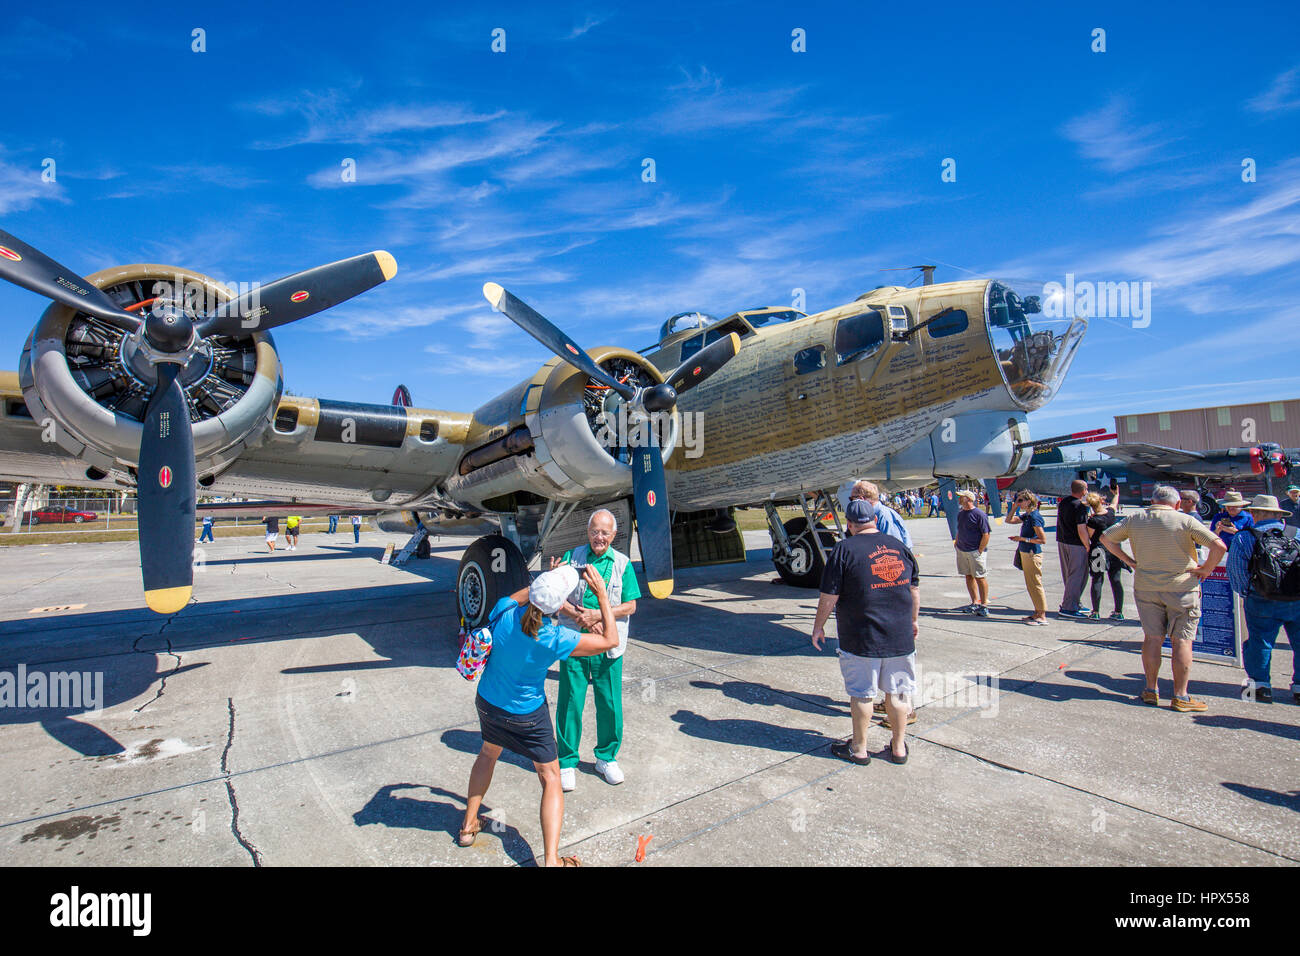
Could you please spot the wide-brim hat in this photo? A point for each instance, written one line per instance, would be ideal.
(966, 494)
(1265, 503)
(1234, 499)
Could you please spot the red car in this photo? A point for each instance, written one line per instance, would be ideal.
(61, 513)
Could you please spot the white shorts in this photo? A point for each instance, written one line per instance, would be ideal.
(271, 536)
(864, 677)
(973, 564)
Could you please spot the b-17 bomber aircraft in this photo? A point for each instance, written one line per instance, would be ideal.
(159, 378)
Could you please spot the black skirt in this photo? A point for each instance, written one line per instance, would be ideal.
(529, 735)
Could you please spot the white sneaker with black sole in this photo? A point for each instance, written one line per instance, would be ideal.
(568, 778)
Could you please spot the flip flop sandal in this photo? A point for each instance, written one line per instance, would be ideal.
(844, 751)
(889, 752)
(471, 834)
(911, 719)
(570, 861)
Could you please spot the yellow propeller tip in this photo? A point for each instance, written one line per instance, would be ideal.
(494, 294)
(661, 589)
(387, 264)
(168, 600)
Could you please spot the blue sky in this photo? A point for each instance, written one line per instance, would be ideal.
(775, 170)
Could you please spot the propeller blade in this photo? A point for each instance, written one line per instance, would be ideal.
(704, 363)
(299, 295)
(653, 522)
(540, 328)
(34, 270)
(165, 485)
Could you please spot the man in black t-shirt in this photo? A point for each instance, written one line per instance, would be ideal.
(872, 584)
(1072, 547)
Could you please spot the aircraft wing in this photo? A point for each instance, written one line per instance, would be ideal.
(365, 457)
(1153, 456)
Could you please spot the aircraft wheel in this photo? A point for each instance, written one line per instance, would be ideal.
(803, 567)
(1206, 507)
(491, 569)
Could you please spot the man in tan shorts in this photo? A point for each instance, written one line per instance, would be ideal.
(1166, 586)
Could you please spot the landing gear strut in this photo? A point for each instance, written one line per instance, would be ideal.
(800, 546)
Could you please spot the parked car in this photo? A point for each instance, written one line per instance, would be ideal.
(56, 513)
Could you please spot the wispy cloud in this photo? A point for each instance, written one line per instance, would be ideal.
(1282, 95)
(589, 23)
(1112, 139)
(330, 117)
(22, 187)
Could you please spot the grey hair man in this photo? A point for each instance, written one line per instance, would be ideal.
(1189, 501)
(1166, 586)
(887, 519)
(603, 672)
(1071, 533)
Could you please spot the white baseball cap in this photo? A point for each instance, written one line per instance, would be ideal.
(549, 590)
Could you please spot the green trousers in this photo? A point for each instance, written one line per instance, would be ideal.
(606, 676)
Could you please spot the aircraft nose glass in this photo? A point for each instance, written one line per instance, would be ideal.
(1033, 361)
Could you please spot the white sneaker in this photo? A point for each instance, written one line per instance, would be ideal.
(610, 771)
(568, 778)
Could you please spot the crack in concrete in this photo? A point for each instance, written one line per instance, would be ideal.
(230, 788)
(162, 684)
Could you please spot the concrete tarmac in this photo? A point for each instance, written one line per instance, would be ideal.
(306, 710)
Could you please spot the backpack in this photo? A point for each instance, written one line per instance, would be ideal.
(475, 647)
(1275, 565)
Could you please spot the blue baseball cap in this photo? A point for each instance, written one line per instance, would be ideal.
(860, 511)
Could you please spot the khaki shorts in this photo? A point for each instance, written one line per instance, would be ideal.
(973, 564)
(1172, 614)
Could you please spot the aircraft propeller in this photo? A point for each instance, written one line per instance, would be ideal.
(649, 490)
(172, 331)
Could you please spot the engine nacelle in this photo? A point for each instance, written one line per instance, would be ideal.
(77, 372)
(551, 436)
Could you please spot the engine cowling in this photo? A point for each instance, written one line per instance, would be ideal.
(79, 373)
(551, 436)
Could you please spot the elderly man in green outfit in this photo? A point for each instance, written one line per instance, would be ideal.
(604, 672)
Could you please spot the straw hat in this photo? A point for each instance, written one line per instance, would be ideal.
(1265, 503)
(1233, 499)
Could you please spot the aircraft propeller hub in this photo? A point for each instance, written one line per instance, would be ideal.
(169, 328)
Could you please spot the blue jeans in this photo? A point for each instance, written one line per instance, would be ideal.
(1264, 618)
(356, 534)
(207, 534)
(334, 523)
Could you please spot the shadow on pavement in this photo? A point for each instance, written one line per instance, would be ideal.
(408, 812)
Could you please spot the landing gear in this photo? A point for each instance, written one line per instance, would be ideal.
(801, 565)
(493, 567)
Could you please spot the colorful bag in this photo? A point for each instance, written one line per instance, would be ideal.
(475, 647)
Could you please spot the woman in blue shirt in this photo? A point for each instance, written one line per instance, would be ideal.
(512, 709)
(1030, 548)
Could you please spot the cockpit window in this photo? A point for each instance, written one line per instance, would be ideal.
(758, 319)
(697, 342)
(686, 320)
(858, 336)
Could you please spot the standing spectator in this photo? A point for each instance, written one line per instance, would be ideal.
(272, 532)
(1291, 505)
(972, 552)
(1266, 614)
(934, 505)
(1231, 517)
(1101, 563)
(1071, 533)
(1166, 586)
(872, 584)
(1188, 503)
(334, 524)
(356, 529)
(887, 519)
(603, 673)
(207, 529)
(291, 531)
(512, 710)
(1031, 539)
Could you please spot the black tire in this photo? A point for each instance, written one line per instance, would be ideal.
(35, 520)
(1206, 507)
(804, 567)
(479, 586)
(78, 519)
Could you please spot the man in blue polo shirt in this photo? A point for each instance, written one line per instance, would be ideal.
(1231, 518)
